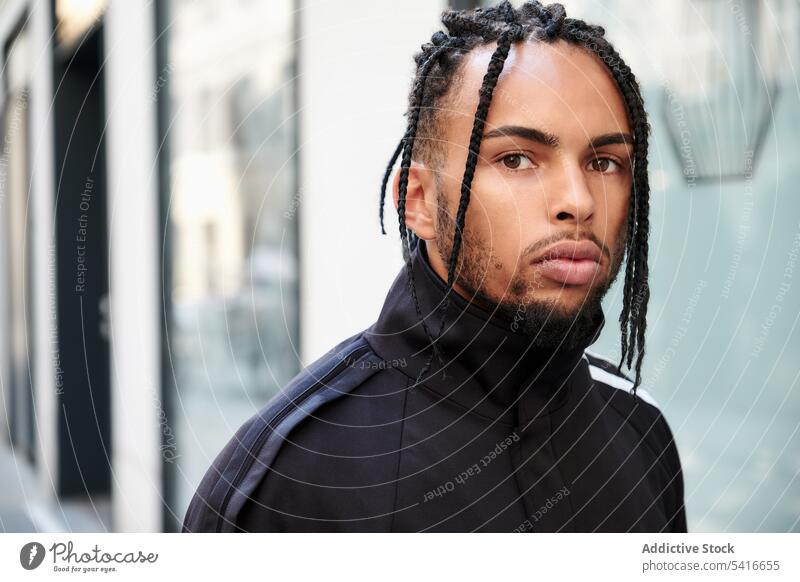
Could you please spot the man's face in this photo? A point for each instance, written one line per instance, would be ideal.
(555, 167)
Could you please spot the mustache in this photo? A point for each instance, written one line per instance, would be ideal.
(535, 248)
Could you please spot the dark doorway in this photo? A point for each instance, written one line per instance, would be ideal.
(82, 276)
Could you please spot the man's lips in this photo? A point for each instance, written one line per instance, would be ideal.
(569, 262)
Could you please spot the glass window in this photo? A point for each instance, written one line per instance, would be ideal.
(231, 254)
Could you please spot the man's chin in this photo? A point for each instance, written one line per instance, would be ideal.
(554, 322)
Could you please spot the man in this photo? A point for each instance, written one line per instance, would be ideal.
(472, 403)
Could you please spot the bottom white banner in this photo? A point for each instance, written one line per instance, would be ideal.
(233, 557)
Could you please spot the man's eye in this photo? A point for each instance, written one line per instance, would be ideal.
(516, 161)
(604, 165)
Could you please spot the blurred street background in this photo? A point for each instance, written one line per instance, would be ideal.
(183, 184)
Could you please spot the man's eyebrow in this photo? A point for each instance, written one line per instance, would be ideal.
(548, 139)
(610, 138)
(529, 133)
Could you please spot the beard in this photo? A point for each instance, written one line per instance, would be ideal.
(547, 322)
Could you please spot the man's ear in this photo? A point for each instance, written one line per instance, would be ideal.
(420, 199)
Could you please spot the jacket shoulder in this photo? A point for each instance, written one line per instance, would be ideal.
(248, 455)
(616, 388)
(644, 413)
(605, 371)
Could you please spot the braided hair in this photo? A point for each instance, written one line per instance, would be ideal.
(437, 65)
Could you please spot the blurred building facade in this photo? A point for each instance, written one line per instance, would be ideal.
(182, 185)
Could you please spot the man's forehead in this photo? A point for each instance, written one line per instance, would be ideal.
(538, 78)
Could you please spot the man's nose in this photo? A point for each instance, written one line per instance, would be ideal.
(570, 198)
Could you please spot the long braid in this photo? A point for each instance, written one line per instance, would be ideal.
(436, 68)
(487, 89)
(443, 43)
(384, 183)
(386, 176)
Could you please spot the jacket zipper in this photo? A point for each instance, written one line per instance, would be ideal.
(262, 436)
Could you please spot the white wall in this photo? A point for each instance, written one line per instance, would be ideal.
(134, 259)
(356, 66)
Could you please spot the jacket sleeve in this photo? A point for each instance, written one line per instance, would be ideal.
(204, 511)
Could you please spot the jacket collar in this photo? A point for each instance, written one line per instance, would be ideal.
(489, 368)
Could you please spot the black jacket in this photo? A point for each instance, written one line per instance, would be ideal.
(511, 438)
